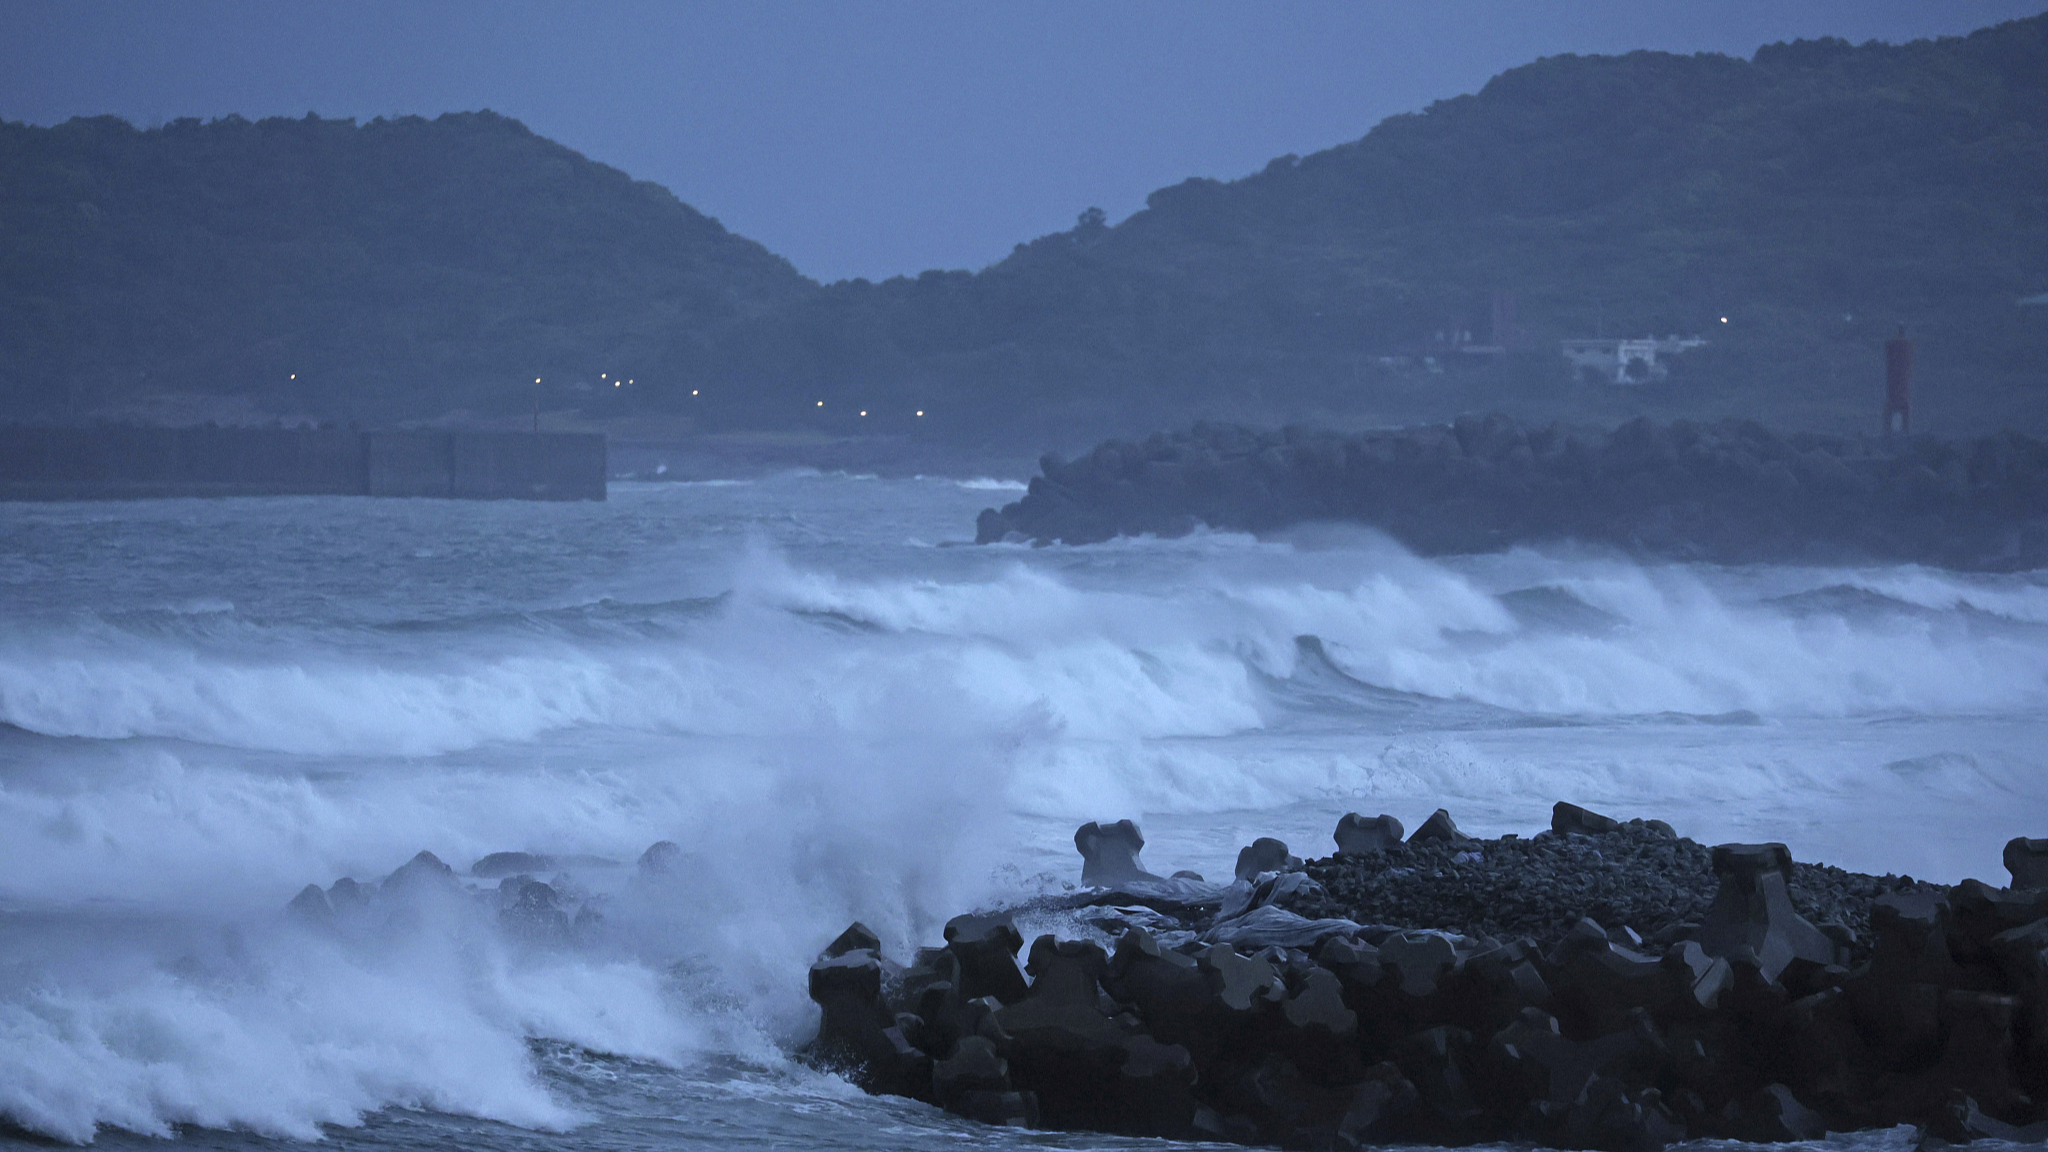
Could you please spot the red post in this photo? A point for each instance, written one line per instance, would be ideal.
(1898, 383)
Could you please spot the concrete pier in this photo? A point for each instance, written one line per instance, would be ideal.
(133, 463)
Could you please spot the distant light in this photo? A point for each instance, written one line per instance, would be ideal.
(629, 381)
(693, 391)
(295, 375)
(618, 384)
(601, 375)
(1724, 319)
(536, 379)
(863, 412)
(920, 411)
(821, 403)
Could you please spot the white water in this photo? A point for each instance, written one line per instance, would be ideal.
(839, 716)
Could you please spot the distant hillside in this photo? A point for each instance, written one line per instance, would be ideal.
(384, 270)
(1816, 196)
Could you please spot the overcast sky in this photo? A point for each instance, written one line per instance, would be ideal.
(880, 137)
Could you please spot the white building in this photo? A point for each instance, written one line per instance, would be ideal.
(1627, 361)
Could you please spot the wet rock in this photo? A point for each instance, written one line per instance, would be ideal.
(1697, 979)
(1569, 818)
(1377, 1108)
(498, 865)
(423, 873)
(535, 910)
(346, 895)
(973, 1067)
(662, 858)
(2027, 860)
(986, 947)
(858, 1029)
(1546, 1068)
(857, 937)
(1088, 1070)
(1358, 836)
(1061, 1011)
(1773, 1115)
(1265, 855)
(311, 904)
(1168, 989)
(1439, 827)
(1355, 963)
(1752, 916)
(1438, 1061)
(1109, 854)
(1970, 1123)
(1910, 942)
(1599, 982)
(1002, 1109)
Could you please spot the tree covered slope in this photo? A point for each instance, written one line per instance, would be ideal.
(1816, 196)
(385, 269)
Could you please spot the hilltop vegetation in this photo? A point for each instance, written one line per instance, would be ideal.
(1815, 196)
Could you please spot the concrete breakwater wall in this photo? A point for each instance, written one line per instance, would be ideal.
(129, 463)
(1731, 492)
(1448, 990)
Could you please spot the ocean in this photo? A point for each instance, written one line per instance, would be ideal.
(838, 709)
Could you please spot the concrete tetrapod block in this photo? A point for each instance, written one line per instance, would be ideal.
(857, 1024)
(1086, 1069)
(1061, 1011)
(1167, 987)
(973, 1067)
(1566, 818)
(1109, 854)
(2027, 860)
(856, 937)
(1439, 826)
(1358, 836)
(1243, 986)
(1265, 855)
(1752, 916)
(986, 947)
(1418, 959)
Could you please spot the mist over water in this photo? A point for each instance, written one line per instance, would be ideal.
(839, 714)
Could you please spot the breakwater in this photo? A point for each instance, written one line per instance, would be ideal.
(1731, 492)
(129, 463)
(1603, 984)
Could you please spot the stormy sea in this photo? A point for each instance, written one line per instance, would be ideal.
(838, 710)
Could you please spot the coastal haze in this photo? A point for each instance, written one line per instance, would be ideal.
(776, 643)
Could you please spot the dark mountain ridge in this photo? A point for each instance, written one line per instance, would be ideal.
(395, 268)
(1816, 196)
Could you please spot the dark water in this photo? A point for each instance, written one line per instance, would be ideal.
(839, 713)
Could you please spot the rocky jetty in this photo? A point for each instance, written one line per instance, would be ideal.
(1600, 984)
(1729, 492)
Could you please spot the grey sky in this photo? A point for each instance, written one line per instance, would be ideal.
(888, 136)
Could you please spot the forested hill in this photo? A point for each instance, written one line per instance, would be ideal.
(382, 270)
(1816, 196)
